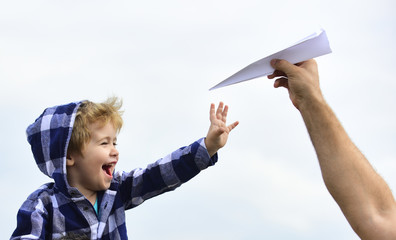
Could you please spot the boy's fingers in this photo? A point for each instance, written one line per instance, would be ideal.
(233, 125)
(224, 114)
(219, 109)
(212, 112)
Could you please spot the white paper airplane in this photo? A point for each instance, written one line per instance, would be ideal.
(312, 46)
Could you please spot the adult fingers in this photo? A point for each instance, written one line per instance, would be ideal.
(276, 73)
(310, 64)
(283, 66)
(281, 82)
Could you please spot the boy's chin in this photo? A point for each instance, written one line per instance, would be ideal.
(106, 186)
(103, 187)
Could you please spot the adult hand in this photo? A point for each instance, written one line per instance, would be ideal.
(301, 80)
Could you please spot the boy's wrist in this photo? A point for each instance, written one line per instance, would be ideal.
(211, 150)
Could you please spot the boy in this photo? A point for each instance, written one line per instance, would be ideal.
(75, 144)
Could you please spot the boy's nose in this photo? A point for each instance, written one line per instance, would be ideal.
(114, 152)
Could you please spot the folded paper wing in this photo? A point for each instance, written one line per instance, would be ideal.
(312, 46)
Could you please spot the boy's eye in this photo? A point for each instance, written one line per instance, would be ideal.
(104, 143)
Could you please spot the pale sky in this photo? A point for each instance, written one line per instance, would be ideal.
(161, 57)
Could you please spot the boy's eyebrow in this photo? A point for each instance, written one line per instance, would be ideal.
(107, 138)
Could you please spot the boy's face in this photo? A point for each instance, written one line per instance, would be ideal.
(93, 170)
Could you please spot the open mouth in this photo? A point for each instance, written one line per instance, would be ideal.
(108, 169)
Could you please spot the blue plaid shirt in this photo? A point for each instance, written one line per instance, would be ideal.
(56, 209)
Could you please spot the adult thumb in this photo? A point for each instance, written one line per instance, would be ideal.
(282, 65)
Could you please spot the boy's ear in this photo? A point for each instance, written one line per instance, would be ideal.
(69, 160)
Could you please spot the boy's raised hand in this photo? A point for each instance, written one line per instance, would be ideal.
(218, 131)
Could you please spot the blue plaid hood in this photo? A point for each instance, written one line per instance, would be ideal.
(49, 138)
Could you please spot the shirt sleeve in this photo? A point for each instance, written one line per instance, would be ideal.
(164, 175)
(31, 221)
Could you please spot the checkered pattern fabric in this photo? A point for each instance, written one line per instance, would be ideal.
(57, 209)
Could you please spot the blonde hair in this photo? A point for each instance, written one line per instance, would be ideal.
(89, 113)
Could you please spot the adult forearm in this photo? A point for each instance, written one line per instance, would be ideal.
(362, 194)
(359, 191)
(338, 157)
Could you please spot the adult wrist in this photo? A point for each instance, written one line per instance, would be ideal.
(311, 103)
